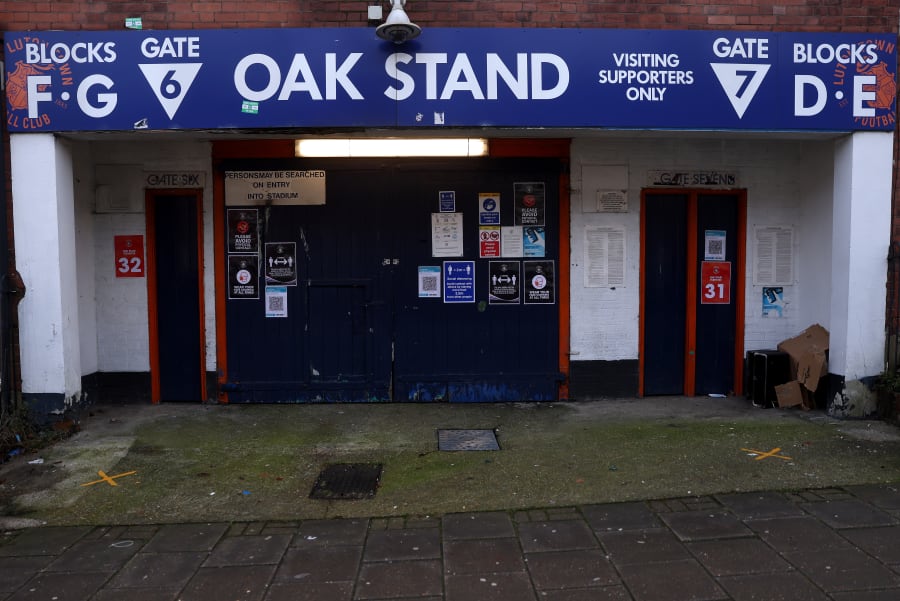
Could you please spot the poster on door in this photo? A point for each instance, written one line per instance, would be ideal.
(129, 256)
(446, 234)
(242, 231)
(505, 283)
(530, 200)
(489, 241)
(715, 283)
(243, 276)
(429, 281)
(281, 263)
(539, 282)
(447, 201)
(489, 208)
(534, 242)
(459, 281)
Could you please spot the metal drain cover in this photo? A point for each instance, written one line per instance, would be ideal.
(347, 481)
(467, 440)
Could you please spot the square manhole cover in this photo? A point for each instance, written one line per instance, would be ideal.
(347, 481)
(467, 440)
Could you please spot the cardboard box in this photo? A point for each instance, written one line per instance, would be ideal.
(790, 394)
(809, 356)
(811, 368)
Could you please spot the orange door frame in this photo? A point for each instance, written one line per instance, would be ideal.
(152, 287)
(690, 338)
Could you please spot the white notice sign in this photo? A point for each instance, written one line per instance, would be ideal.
(275, 187)
(773, 263)
(604, 256)
(446, 234)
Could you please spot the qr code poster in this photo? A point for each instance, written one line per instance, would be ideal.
(430, 281)
(276, 301)
(715, 245)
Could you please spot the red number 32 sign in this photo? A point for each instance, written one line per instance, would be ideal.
(129, 256)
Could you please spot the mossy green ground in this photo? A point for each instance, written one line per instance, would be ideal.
(250, 463)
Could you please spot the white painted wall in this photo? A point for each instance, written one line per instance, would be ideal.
(861, 237)
(44, 222)
(85, 261)
(122, 334)
(788, 182)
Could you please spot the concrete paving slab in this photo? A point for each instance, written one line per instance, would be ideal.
(16, 571)
(759, 505)
(738, 557)
(400, 545)
(310, 591)
(320, 564)
(606, 593)
(702, 525)
(785, 586)
(843, 569)
(186, 538)
(507, 586)
(95, 556)
(235, 583)
(643, 546)
(570, 569)
(63, 586)
(620, 516)
(399, 579)
(683, 580)
(556, 536)
(849, 513)
(257, 549)
(881, 543)
(477, 525)
(797, 534)
(483, 556)
(163, 571)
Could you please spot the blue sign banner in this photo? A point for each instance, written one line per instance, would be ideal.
(346, 77)
(459, 281)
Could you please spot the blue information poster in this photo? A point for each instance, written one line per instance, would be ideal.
(459, 281)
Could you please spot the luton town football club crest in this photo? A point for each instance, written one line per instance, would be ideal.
(876, 81)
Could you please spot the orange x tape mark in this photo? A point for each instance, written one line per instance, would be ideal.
(109, 479)
(760, 455)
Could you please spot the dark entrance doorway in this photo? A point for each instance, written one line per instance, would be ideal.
(175, 295)
(358, 324)
(692, 253)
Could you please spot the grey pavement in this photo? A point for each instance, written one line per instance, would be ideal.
(838, 543)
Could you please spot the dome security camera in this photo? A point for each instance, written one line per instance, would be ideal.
(397, 27)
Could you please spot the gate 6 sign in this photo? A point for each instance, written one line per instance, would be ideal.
(129, 256)
(715, 283)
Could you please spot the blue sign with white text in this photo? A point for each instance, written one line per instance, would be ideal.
(346, 77)
(459, 281)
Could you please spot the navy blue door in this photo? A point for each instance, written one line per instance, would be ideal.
(356, 327)
(665, 239)
(688, 344)
(176, 253)
(716, 322)
(335, 342)
(472, 352)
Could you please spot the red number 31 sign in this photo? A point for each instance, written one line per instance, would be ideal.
(715, 283)
(129, 256)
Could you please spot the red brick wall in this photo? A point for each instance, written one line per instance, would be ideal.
(806, 15)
